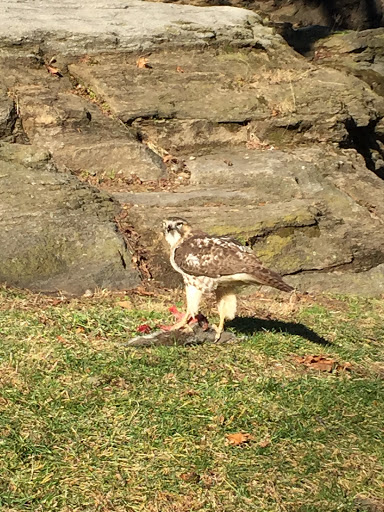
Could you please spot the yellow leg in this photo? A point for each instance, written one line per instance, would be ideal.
(226, 304)
(219, 328)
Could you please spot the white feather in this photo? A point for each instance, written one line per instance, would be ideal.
(193, 300)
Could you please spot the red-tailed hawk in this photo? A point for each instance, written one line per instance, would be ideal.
(214, 263)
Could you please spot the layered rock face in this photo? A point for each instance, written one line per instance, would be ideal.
(57, 234)
(201, 112)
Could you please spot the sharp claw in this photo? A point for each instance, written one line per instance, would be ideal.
(218, 332)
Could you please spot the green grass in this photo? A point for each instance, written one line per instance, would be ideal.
(87, 424)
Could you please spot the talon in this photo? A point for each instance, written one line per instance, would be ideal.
(218, 331)
(218, 336)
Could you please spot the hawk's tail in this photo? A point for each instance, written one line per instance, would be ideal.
(283, 286)
(270, 278)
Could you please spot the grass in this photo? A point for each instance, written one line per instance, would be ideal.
(87, 424)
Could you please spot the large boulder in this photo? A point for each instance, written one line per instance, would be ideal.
(302, 211)
(204, 113)
(56, 233)
(197, 100)
(95, 26)
(339, 14)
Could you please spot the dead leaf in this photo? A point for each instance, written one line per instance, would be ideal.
(53, 70)
(80, 329)
(142, 62)
(179, 69)
(191, 392)
(220, 419)
(322, 363)
(140, 290)
(255, 143)
(61, 339)
(264, 442)
(191, 477)
(238, 438)
(169, 158)
(125, 304)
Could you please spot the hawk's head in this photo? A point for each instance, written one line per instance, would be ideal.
(175, 229)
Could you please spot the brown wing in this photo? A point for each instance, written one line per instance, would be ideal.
(223, 256)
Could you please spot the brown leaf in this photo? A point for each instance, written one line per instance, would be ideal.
(322, 363)
(125, 304)
(238, 438)
(264, 442)
(220, 419)
(179, 69)
(53, 70)
(142, 62)
(80, 329)
(191, 477)
(169, 158)
(191, 392)
(140, 290)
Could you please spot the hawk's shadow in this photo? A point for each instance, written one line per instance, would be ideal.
(250, 325)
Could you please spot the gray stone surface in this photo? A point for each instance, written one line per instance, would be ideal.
(276, 101)
(79, 133)
(361, 53)
(70, 27)
(251, 132)
(57, 234)
(369, 283)
(301, 210)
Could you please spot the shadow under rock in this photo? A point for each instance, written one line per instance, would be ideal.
(250, 325)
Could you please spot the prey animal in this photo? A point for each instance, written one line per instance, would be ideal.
(214, 263)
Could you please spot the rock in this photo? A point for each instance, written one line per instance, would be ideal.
(342, 14)
(102, 25)
(77, 131)
(56, 233)
(369, 283)
(259, 142)
(242, 92)
(360, 53)
(301, 210)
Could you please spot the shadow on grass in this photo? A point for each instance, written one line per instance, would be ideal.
(250, 325)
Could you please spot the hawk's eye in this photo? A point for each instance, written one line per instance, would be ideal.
(179, 224)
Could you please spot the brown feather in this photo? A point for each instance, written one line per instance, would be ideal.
(205, 255)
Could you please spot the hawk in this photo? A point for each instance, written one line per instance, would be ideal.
(214, 263)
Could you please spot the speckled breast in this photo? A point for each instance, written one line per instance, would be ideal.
(202, 283)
